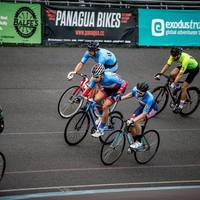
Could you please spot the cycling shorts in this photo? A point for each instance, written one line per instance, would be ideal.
(110, 93)
(191, 74)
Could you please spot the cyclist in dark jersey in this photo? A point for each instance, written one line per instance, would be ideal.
(188, 65)
(147, 109)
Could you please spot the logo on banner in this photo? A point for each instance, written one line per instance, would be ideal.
(158, 27)
(25, 22)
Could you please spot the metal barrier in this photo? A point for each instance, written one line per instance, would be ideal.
(120, 3)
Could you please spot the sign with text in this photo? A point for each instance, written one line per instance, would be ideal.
(20, 23)
(70, 24)
(169, 27)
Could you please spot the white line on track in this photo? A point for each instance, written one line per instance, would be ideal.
(102, 168)
(59, 132)
(63, 188)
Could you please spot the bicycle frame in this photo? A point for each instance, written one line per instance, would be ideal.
(168, 88)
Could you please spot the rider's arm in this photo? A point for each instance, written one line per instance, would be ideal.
(123, 87)
(87, 90)
(167, 65)
(78, 67)
(127, 96)
(82, 62)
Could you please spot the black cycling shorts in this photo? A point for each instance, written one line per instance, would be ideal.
(191, 74)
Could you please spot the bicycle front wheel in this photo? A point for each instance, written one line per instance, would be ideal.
(69, 103)
(161, 96)
(2, 165)
(151, 142)
(192, 101)
(115, 122)
(76, 128)
(110, 153)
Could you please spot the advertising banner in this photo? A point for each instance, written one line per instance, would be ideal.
(20, 23)
(81, 24)
(169, 27)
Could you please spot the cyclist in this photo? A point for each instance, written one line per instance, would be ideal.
(112, 88)
(147, 109)
(188, 65)
(99, 55)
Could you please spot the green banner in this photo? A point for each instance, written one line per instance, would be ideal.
(20, 23)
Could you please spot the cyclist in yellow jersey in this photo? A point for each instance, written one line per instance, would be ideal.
(188, 65)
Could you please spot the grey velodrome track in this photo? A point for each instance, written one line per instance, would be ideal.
(31, 81)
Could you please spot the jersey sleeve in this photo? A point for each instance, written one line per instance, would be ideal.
(170, 60)
(184, 65)
(87, 90)
(134, 92)
(85, 57)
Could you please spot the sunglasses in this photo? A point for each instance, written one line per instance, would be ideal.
(97, 76)
(140, 93)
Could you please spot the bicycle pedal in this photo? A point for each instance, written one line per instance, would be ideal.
(129, 151)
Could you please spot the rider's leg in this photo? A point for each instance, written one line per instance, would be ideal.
(98, 98)
(174, 73)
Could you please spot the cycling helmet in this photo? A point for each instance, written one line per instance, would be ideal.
(93, 46)
(175, 51)
(98, 69)
(142, 87)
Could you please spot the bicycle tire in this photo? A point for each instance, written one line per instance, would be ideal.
(163, 94)
(2, 165)
(63, 110)
(82, 119)
(197, 91)
(116, 123)
(143, 156)
(113, 150)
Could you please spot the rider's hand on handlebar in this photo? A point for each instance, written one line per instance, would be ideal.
(118, 97)
(71, 75)
(173, 85)
(157, 76)
(130, 122)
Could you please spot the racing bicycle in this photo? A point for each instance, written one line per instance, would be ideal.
(162, 94)
(115, 143)
(69, 103)
(78, 125)
(2, 165)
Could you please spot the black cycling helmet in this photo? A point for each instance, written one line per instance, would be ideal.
(142, 87)
(93, 46)
(98, 69)
(175, 51)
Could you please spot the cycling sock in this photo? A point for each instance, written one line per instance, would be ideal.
(101, 125)
(181, 103)
(138, 138)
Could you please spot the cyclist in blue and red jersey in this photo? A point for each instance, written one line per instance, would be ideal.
(99, 55)
(147, 109)
(112, 88)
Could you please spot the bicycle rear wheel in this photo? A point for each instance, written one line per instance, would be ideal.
(76, 128)
(192, 102)
(69, 103)
(115, 122)
(110, 153)
(161, 96)
(2, 165)
(151, 142)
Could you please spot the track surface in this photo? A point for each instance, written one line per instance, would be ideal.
(40, 162)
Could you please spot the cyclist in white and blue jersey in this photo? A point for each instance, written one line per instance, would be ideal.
(112, 88)
(99, 55)
(147, 109)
